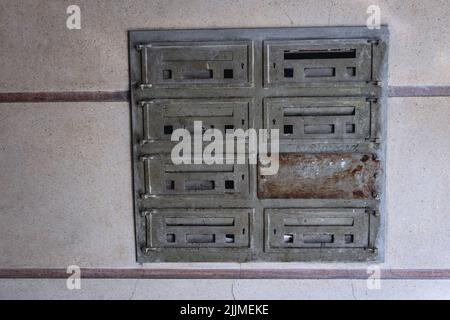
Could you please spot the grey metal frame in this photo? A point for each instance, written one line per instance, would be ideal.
(258, 87)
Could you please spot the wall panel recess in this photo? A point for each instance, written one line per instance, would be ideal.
(323, 89)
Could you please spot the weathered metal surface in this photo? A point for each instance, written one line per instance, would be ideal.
(322, 176)
(317, 228)
(201, 228)
(196, 63)
(317, 61)
(324, 86)
(163, 178)
(163, 116)
(319, 118)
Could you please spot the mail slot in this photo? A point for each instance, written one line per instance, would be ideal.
(173, 64)
(163, 177)
(317, 228)
(196, 228)
(317, 61)
(321, 118)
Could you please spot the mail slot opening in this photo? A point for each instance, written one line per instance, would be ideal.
(195, 221)
(167, 74)
(170, 185)
(229, 238)
(318, 238)
(199, 185)
(200, 238)
(320, 72)
(168, 129)
(170, 237)
(288, 238)
(350, 128)
(199, 74)
(319, 129)
(228, 73)
(348, 238)
(288, 129)
(331, 111)
(319, 54)
(229, 184)
(351, 71)
(288, 72)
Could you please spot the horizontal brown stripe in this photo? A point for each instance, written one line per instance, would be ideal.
(91, 273)
(124, 96)
(419, 91)
(65, 96)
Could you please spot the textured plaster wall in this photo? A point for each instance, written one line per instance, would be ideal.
(65, 172)
(40, 53)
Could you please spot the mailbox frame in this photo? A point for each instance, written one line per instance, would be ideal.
(258, 92)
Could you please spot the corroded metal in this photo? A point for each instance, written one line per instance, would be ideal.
(322, 176)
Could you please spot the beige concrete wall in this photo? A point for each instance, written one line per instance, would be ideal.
(66, 185)
(40, 53)
(65, 172)
(225, 289)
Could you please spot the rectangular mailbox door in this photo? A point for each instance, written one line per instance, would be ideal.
(200, 228)
(163, 178)
(319, 118)
(317, 228)
(318, 61)
(162, 116)
(178, 64)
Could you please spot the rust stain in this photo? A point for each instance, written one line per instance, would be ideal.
(358, 194)
(364, 158)
(322, 176)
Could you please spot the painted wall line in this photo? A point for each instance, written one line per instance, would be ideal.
(419, 91)
(143, 273)
(65, 96)
(124, 96)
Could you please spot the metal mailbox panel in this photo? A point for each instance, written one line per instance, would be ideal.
(317, 61)
(162, 177)
(317, 228)
(322, 176)
(318, 118)
(197, 228)
(163, 116)
(172, 64)
(323, 88)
